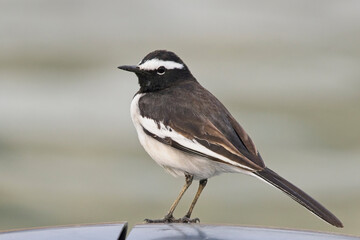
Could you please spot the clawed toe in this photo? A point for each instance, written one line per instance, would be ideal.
(166, 219)
(171, 219)
(189, 220)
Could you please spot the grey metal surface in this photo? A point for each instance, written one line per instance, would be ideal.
(166, 231)
(111, 231)
(218, 232)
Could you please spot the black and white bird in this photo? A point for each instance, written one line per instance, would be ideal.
(190, 133)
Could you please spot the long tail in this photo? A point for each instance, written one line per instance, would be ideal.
(298, 195)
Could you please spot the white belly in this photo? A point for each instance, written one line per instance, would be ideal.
(173, 160)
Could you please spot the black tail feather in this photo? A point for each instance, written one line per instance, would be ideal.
(298, 195)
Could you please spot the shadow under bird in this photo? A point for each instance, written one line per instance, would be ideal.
(190, 133)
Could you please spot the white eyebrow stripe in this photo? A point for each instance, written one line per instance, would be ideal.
(155, 63)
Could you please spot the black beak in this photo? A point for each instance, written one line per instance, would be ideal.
(132, 68)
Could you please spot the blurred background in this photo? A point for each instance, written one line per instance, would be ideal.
(287, 70)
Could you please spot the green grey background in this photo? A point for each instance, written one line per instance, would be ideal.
(287, 70)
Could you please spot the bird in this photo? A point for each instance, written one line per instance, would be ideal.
(190, 133)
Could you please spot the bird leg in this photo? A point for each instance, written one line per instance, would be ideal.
(169, 216)
(186, 218)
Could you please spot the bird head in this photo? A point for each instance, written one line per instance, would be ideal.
(158, 70)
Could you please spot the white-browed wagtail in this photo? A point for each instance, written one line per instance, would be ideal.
(190, 133)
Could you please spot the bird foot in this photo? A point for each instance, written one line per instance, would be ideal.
(171, 219)
(186, 219)
(166, 219)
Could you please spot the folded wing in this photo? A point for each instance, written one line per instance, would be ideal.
(201, 126)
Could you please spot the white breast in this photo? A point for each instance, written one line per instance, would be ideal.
(174, 161)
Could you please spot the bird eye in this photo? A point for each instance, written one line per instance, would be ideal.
(161, 70)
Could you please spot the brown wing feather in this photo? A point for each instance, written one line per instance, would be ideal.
(212, 138)
(246, 140)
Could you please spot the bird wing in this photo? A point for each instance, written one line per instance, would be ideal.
(197, 123)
